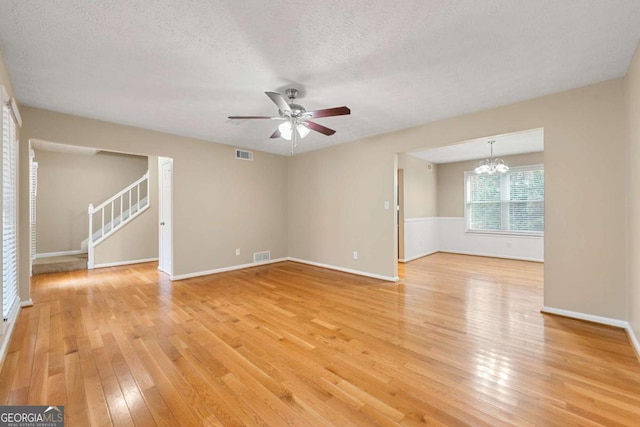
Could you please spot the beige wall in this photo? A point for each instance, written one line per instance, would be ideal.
(67, 183)
(219, 204)
(336, 195)
(336, 207)
(420, 187)
(451, 181)
(633, 105)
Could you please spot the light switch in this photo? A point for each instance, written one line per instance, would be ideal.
(386, 205)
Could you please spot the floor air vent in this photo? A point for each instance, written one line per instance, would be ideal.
(244, 155)
(261, 256)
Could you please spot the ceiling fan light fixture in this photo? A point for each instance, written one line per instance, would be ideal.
(285, 130)
(303, 130)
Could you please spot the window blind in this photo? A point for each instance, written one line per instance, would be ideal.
(9, 205)
(509, 202)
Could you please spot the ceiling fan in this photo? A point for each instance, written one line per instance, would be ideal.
(295, 118)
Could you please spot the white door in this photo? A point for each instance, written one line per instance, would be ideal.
(165, 262)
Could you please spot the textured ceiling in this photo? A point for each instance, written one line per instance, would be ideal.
(183, 66)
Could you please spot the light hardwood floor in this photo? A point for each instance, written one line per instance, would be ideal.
(458, 341)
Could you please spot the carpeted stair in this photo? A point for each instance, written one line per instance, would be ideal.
(59, 264)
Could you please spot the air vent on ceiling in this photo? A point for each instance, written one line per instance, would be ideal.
(244, 155)
(430, 167)
(261, 256)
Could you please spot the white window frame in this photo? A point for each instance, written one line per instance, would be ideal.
(504, 189)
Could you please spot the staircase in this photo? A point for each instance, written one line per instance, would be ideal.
(114, 213)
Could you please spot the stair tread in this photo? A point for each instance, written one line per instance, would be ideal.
(59, 264)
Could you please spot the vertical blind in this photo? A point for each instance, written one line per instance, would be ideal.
(9, 205)
(509, 202)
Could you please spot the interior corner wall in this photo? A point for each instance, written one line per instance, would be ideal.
(219, 203)
(451, 181)
(420, 187)
(138, 240)
(67, 184)
(336, 194)
(633, 115)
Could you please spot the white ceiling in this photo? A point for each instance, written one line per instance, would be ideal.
(531, 141)
(183, 66)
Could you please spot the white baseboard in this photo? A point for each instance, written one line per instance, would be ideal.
(492, 255)
(62, 253)
(417, 256)
(117, 264)
(598, 319)
(346, 270)
(634, 340)
(588, 317)
(223, 269)
(27, 303)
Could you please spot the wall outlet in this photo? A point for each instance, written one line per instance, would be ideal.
(386, 205)
(355, 255)
(237, 252)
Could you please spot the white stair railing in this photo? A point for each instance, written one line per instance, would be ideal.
(112, 214)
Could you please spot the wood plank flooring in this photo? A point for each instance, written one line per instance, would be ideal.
(458, 341)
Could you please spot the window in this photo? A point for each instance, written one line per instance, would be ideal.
(9, 206)
(511, 203)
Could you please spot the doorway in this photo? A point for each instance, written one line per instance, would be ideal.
(66, 178)
(449, 207)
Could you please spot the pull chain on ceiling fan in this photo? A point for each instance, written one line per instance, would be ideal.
(295, 118)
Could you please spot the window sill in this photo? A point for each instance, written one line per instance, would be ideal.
(505, 234)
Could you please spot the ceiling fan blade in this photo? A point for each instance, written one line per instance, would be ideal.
(319, 128)
(329, 112)
(279, 101)
(249, 117)
(275, 134)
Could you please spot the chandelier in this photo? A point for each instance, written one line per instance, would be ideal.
(490, 166)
